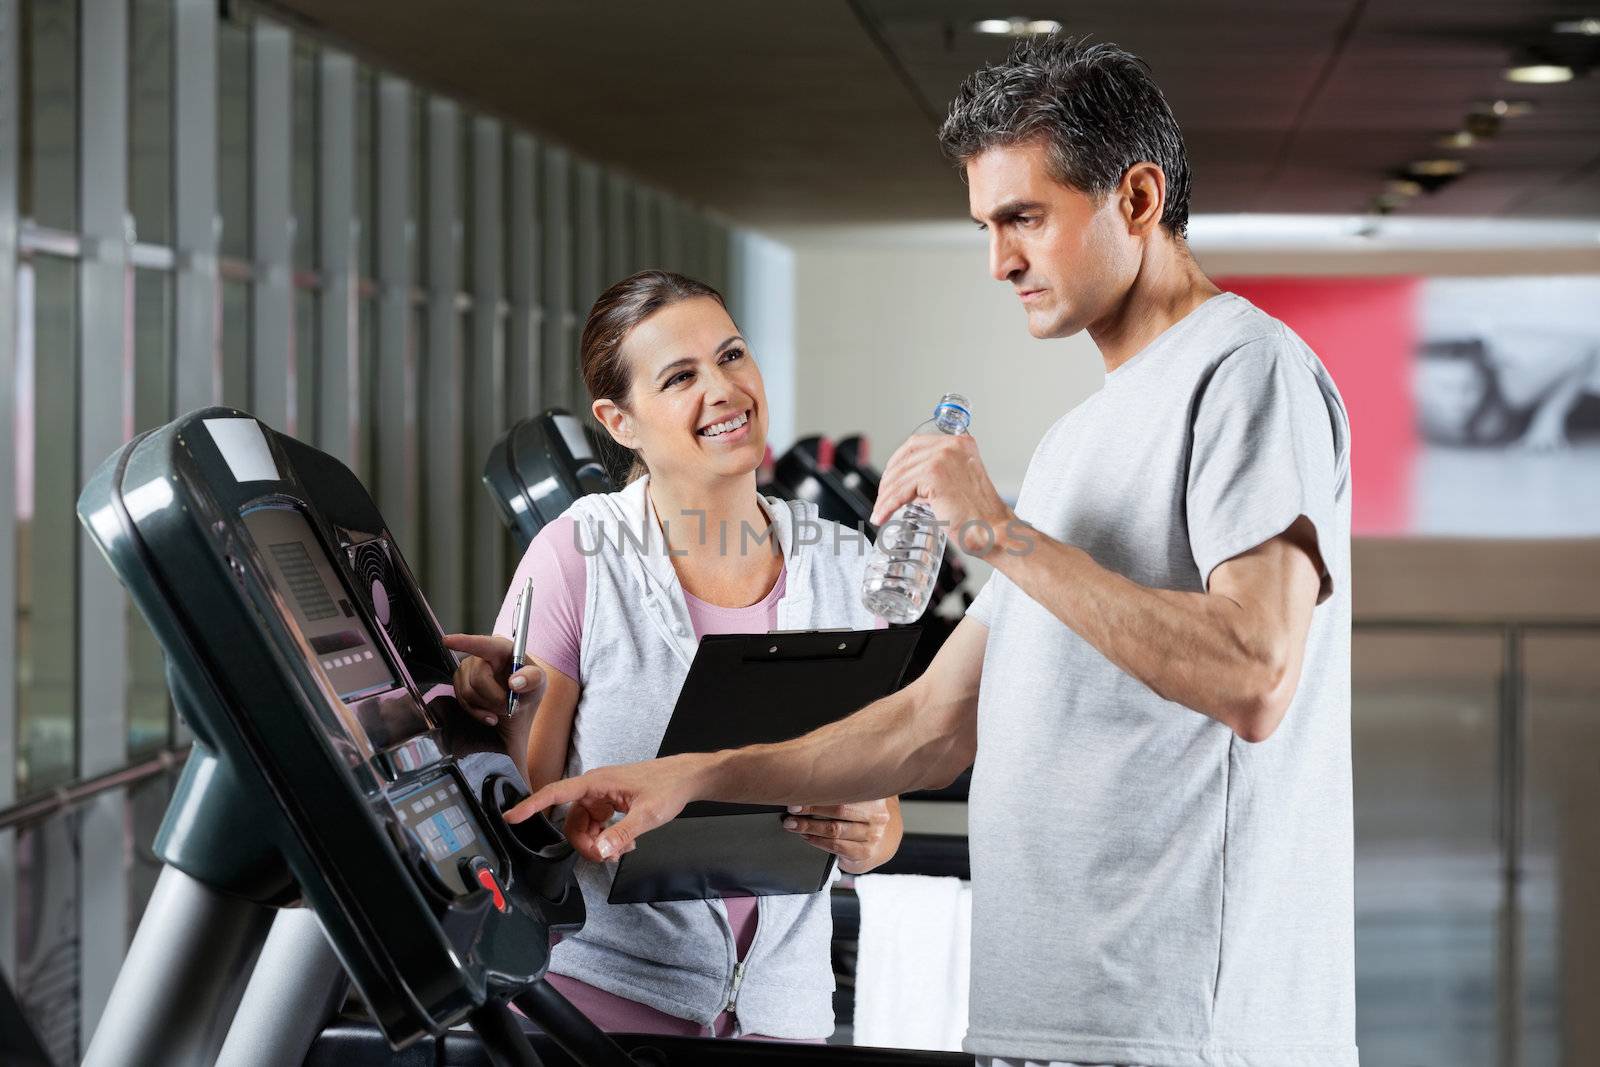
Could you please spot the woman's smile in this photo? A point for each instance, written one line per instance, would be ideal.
(728, 431)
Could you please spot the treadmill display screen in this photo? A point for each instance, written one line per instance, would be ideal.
(437, 815)
(340, 640)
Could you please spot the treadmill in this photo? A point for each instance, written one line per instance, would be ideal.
(806, 472)
(338, 827)
(541, 465)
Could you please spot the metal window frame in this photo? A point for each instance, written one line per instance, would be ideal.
(395, 483)
(105, 406)
(272, 350)
(337, 360)
(646, 229)
(557, 351)
(443, 458)
(524, 327)
(718, 255)
(671, 237)
(619, 257)
(197, 290)
(10, 95)
(486, 373)
(588, 265)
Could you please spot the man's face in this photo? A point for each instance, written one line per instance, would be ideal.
(1069, 256)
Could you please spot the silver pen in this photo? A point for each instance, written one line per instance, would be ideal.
(519, 642)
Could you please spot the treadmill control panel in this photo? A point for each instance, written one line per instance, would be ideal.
(343, 647)
(304, 656)
(444, 828)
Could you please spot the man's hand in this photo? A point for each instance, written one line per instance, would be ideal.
(648, 794)
(947, 472)
(481, 682)
(857, 833)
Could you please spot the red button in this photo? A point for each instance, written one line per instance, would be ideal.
(486, 879)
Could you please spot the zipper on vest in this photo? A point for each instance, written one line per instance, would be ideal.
(733, 991)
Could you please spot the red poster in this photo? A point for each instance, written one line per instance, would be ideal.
(1365, 332)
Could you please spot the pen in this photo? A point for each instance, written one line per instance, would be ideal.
(519, 641)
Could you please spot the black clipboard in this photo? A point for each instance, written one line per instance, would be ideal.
(747, 689)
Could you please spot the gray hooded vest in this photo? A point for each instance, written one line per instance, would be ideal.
(678, 957)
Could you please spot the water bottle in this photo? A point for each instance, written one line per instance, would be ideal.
(905, 560)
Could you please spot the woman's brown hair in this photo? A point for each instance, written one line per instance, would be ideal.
(614, 315)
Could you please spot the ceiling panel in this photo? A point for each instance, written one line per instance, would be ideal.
(825, 111)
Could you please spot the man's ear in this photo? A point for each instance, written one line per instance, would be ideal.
(1143, 192)
(616, 421)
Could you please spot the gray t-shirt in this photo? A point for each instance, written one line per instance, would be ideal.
(1147, 887)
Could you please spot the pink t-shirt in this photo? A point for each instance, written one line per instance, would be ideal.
(555, 635)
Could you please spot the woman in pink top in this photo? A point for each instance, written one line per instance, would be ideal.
(671, 379)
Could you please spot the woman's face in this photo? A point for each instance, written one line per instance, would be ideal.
(697, 406)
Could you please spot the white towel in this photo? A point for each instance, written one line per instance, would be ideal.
(912, 962)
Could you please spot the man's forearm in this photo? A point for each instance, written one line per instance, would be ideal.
(889, 747)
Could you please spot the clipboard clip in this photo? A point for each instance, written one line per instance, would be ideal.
(806, 644)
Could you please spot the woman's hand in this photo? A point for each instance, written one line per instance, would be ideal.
(483, 681)
(863, 835)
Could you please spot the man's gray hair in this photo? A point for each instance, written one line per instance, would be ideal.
(1094, 107)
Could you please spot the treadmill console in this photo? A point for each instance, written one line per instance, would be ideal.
(312, 672)
(539, 467)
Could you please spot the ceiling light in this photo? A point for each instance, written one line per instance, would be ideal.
(1459, 139)
(1402, 187)
(1016, 26)
(1436, 168)
(1539, 74)
(1589, 27)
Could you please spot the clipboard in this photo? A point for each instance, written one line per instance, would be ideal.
(747, 689)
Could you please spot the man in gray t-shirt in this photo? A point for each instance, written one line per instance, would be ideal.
(1191, 891)
(1155, 684)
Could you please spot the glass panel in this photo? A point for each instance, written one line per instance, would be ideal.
(367, 368)
(1428, 886)
(366, 196)
(466, 169)
(47, 917)
(236, 344)
(47, 525)
(510, 237)
(417, 186)
(305, 157)
(303, 392)
(233, 137)
(149, 711)
(619, 232)
(49, 113)
(1561, 852)
(150, 120)
(417, 554)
